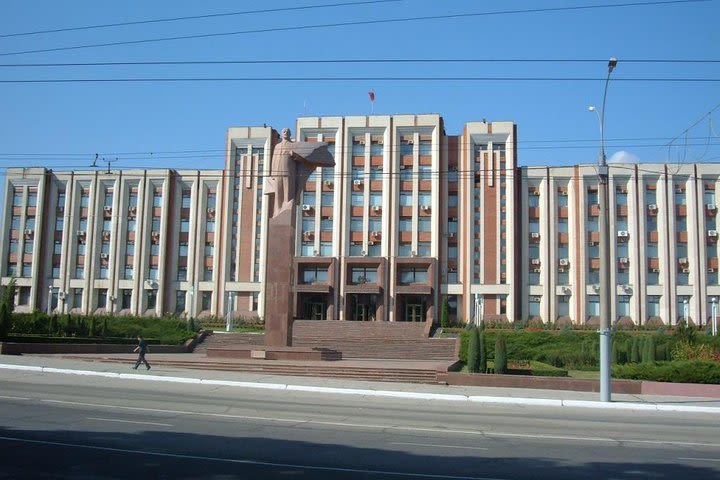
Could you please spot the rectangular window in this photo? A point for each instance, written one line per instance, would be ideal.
(412, 275)
(179, 301)
(102, 298)
(126, 299)
(314, 274)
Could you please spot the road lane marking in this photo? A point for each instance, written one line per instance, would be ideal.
(700, 459)
(128, 421)
(435, 445)
(366, 426)
(13, 398)
(383, 473)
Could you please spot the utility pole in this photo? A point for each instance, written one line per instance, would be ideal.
(605, 263)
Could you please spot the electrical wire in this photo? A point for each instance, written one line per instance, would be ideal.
(193, 17)
(353, 79)
(352, 23)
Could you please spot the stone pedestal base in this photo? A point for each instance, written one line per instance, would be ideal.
(279, 280)
(274, 353)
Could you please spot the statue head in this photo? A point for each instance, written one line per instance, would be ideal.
(286, 134)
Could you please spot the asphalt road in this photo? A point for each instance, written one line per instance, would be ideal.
(66, 426)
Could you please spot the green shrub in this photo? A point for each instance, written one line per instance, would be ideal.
(687, 351)
(635, 350)
(649, 350)
(501, 358)
(191, 325)
(472, 352)
(680, 372)
(482, 346)
(444, 313)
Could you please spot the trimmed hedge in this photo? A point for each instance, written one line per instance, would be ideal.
(676, 372)
(99, 329)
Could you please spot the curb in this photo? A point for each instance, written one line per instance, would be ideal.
(483, 399)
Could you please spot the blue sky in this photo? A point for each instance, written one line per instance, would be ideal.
(63, 125)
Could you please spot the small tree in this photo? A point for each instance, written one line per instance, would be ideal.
(500, 355)
(615, 353)
(445, 313)
(635, 350)
(104, 330)
(472, 352)
(482, 363)
(649, 350)
(191, 325)
(7, 307)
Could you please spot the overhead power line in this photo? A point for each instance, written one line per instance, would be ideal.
(348, 61)
(354, 79)
(192, 17)
(353, 23)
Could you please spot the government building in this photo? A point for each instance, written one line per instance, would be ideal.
(408, 219)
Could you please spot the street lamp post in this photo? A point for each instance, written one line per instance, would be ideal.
(605, 296)
(191, 291)
(49, 305)
(714, 316)
(228, 313)
(685, 312)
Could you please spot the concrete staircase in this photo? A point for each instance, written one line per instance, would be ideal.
(374, 340)
(362, 340)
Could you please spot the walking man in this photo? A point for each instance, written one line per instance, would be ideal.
(142, 350)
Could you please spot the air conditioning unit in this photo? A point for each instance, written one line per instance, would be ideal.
(106, 234)
(534, 234)
(652, 207)
(149, 283)
(374, 234)
(536, 270)
(451, 235)
(711, 270)
(535, 261)
(211, 211)
(357, 183)
(306, 207)
(29, 231)
(80, 233)
(308, 234)
(683, 260)
(535, 299)
(413, 253)
(685, 270)
(623, 234)
(376, 208)
(563, 193)
(104, 256)
(132, 210)
(61, 295)
(328, 183)
(655, 270)
(425, 207)
(535, 193)
(624, 260)
(712, 233)
(107, 209)
(564, 262)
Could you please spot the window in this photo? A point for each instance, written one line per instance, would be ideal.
(406, 148)
(182, 274)
(405, 249)
(412, 275)
(84, 199)
(308, 224)
(423, 249)
(326, 224)
(131, 225)
(79, 271)
(425, 147)
(356, 250)
(592, 197)
(125, 299)
(59, 224)
(533, 199)
(209, 249)
(210, 227)
(562, 225)
(27, 270)
(593, 305)
(563, 306)
(653, 305)
(104, 271)
(452, 200)
(179, 301)
(376, 149)
(157, 199)
(151, 299)
(424, 172)
(186, 199)
(406, 199)
(153, 273)
(211, 200)
(102, 298)
(424, 199)
(423, 224)
(593, 276)
(205, 300)
(184, 225)
(128, 272)
(15, 222)
(358, 149)
(314, 274)
(155, 224)
(28, 247)
(17, 198)
(357, 199)
(208, 274)
(30, 223)
(534, 307)
(623, 306)
(130, 249)
(356, 224)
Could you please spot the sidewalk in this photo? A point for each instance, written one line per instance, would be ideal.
(486, 395)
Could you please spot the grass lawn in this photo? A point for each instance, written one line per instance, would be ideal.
(584, 374)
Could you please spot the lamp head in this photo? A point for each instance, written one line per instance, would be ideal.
(591, 108)
(612, 63)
